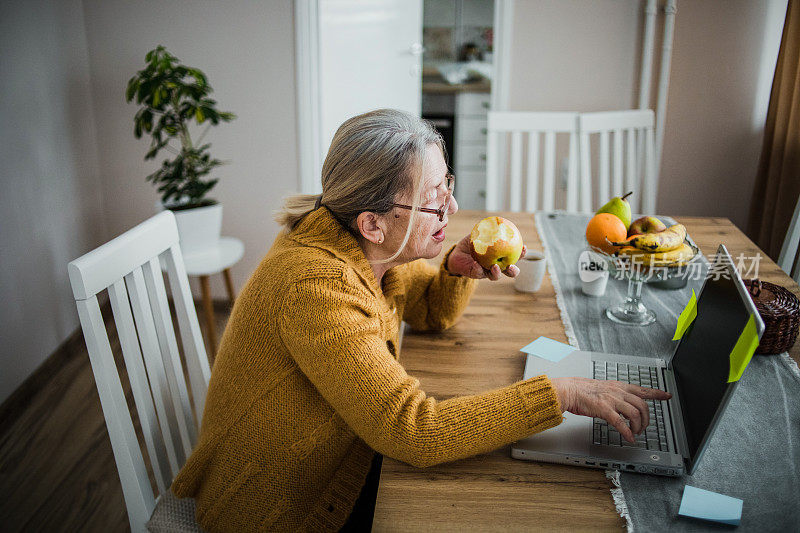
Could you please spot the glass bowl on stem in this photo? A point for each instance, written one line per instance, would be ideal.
(632, 311)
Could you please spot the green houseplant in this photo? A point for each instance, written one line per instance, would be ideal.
(173, 97)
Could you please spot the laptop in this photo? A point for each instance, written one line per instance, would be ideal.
(696, 374)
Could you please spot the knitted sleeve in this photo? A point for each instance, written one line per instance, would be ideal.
(434, 297)
(334, 334)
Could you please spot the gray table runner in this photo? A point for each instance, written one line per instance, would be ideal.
(754, 454)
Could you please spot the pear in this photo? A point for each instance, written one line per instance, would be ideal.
(620, 208)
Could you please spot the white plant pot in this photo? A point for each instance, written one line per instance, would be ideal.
(198, 227)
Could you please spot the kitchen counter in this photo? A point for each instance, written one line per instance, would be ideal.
(442, 87)
(434, 83)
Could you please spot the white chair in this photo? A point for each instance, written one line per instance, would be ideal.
(623, 136)
(534, 126)
(788, 259)
(129, 267)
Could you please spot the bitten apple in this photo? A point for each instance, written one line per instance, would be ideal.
(495, 241)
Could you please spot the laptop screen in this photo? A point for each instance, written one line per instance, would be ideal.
(701, 362)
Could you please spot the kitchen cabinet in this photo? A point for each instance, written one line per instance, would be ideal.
(477, 12)
(470, 149)
(439, 13)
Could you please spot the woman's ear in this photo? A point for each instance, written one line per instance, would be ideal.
(371, 227)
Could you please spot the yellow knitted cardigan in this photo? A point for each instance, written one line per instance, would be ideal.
(307, 384)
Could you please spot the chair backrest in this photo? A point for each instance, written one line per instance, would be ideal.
(625, 158)
(534, 126)
(789, 259)
(130, 267)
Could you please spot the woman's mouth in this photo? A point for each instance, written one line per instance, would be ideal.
(439, 235)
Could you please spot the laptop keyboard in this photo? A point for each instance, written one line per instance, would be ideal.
(654, 437)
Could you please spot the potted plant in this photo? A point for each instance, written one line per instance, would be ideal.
(172, 97)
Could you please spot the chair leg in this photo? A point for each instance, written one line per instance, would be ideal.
(209, 311)
(229, 284)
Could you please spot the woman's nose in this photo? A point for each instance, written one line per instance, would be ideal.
(453, 207)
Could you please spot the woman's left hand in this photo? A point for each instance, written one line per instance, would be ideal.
(462, 263)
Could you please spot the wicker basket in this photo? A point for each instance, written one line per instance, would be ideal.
(780, 310)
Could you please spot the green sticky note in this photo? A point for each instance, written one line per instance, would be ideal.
(686, 317)
(743, 350)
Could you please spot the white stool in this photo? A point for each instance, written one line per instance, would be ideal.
(203, 262)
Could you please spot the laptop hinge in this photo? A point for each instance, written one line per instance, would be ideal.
(675, 414)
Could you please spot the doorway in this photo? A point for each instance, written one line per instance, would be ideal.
(345, 63)
(457, 69)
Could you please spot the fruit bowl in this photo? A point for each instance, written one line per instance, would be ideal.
(643, 250)
(632, 311)
(630, 267)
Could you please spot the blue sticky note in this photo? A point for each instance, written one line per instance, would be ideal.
(548, 349)
(707, 505)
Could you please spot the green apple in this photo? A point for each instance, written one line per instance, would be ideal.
(643, 225)
(620, 208)
(495, 241)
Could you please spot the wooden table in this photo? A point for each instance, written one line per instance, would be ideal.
(493, 492)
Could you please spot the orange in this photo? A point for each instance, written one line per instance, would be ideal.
(605, 226)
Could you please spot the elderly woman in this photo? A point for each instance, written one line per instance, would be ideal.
(307, 386)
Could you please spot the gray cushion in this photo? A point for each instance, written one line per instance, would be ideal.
(173, 515)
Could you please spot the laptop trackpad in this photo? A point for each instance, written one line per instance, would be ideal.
(572, 436)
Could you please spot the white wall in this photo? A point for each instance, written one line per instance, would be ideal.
(73, 173)
(723, 63)
(584, 55)
(51, 204)
(247, 51)
(579, 55)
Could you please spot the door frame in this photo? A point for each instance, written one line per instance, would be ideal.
(503, 18)
(308, 99)
(309, 118)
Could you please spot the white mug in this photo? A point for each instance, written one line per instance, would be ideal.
(531, 272)
(593, 272)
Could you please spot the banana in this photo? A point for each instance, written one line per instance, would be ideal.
(677, 257)
(663, 241)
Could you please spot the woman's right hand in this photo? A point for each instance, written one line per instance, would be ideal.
(461, 262)
(613, 401)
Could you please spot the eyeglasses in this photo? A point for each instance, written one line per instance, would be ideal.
(442, 211)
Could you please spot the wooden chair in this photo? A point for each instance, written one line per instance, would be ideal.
(788, 259)
(625, 158)
(528, 129)
(129, 267)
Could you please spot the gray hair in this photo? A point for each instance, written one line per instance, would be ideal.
(373, 157)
